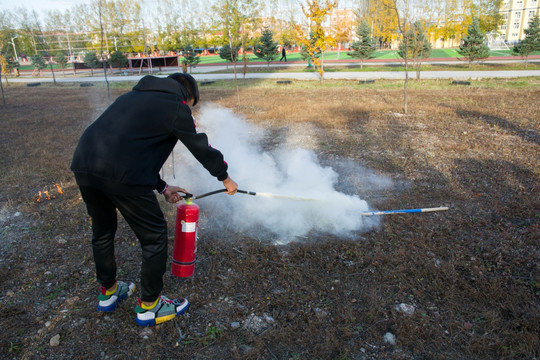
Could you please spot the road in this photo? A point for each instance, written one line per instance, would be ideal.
(212, 72)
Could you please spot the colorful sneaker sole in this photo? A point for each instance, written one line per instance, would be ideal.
(162, 319)
(110, 305)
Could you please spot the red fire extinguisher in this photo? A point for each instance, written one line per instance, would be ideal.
(185, 239)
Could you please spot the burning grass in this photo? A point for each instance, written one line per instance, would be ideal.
(471, 273)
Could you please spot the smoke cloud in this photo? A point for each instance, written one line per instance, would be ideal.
(287, 171)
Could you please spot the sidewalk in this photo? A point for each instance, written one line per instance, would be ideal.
(210, 72)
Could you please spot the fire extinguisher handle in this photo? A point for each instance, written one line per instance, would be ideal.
(187, 196)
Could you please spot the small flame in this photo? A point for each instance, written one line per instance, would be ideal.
(48, 193)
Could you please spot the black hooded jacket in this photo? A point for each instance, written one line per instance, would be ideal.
(124, 149)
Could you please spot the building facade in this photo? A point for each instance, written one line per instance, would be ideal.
(517, 14)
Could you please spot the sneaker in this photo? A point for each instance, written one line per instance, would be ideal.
(165, 310)
(109, 302)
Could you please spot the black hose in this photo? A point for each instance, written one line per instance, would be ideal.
(209, 193)
(217, 192)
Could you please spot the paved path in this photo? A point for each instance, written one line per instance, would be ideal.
(370, 75)
(216, 72)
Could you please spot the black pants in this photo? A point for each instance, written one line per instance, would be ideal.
(144, 216)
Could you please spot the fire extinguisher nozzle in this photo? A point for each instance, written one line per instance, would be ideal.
(188, 196)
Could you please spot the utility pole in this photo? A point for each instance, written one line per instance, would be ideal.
(14, 50)
(69, 45)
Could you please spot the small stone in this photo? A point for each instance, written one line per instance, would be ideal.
(235, 325)
(17, 214)
(320, 313)
(73, 300)
(48, 324)
(405, 308)
(245, 349)
(146, 333)
(268, 319)
(55, 340)
(390, 338)
(10, 293)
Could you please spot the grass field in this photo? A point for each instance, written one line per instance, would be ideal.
(471, 273)
(331, 55)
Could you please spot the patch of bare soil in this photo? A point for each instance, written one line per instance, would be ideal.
(463, 284)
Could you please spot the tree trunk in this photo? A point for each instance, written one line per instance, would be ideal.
(321, 71)
(2, 87)
(405, 97)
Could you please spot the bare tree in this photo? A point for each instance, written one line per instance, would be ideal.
(103, 59)
(404, 14)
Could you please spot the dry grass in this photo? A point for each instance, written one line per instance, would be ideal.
(472, 273)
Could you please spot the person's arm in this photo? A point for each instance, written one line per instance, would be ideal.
(197, 143)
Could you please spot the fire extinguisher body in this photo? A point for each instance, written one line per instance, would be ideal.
(185, 239)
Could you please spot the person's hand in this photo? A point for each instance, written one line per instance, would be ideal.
(171, 194)
(230, 185)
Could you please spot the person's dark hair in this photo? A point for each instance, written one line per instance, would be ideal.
(189, 83)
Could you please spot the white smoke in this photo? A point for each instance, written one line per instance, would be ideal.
(290, 172)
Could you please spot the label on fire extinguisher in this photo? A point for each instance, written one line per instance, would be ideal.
(189, 227)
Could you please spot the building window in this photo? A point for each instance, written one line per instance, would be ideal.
(516, 25)
(531, 13)
(518, 15)
(503, 27)
(514, 35)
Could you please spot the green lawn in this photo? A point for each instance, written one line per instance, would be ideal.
(382, 54)
(331, 55)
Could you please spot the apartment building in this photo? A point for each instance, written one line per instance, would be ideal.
(517, 14)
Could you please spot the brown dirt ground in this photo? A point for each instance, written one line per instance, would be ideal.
(472, 273)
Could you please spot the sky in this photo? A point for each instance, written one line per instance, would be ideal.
(41, 6)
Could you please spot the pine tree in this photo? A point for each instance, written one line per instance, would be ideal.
(61, 59)
(473, 46)
(364, 48)
(190, 57)
(91, 60)
(266, 49)
(415, 46)
(38, 62)
(226, 53)
(531, 42)
(118, 60)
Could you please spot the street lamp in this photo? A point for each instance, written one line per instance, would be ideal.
(14, 50)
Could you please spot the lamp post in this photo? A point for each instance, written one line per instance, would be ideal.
(14, 50)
